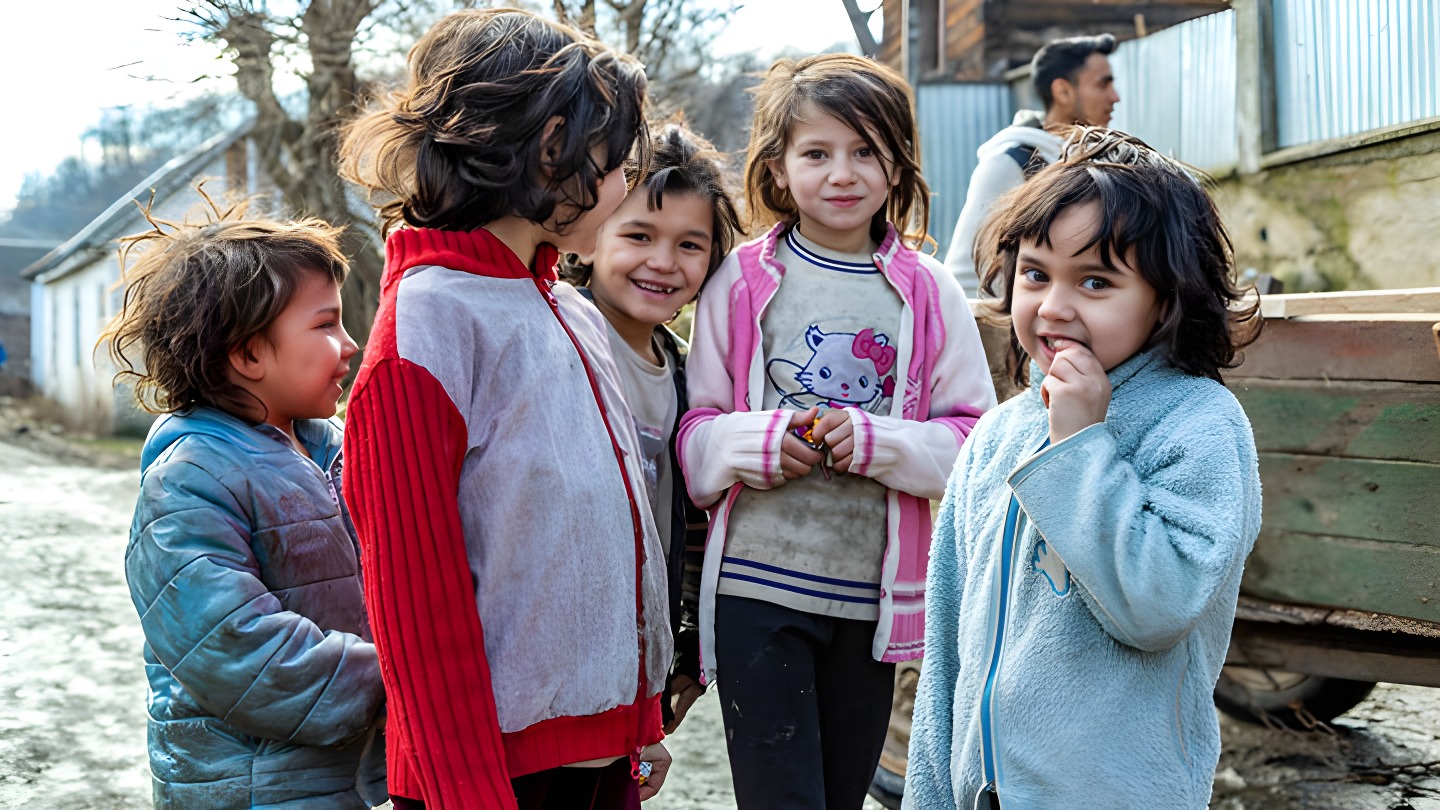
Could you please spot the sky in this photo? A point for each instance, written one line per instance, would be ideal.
(63, 74)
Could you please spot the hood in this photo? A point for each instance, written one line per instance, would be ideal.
(321, 437)
(1046, 143)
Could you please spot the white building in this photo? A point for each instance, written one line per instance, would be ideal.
(75, 287)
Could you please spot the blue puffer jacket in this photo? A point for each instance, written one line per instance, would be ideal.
(1073, 661)
(265, 690)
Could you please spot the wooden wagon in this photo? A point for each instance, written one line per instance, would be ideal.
(1343, 587)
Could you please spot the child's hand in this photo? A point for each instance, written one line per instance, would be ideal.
(1076, 391)
(683, 693)
(659, 760)
(797, 459)
(838, 433)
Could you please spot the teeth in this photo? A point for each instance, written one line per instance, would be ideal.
(655, 288)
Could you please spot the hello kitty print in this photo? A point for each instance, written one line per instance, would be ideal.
(843, 369)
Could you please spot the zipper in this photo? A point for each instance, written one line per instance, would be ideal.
(549, 296)
(1009, 545)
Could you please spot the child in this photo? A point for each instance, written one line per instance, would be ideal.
(1089, 548)
(650, 259)
(831, 327)
(513, 572)
(265, 689)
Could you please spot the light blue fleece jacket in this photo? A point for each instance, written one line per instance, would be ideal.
(1075, 665)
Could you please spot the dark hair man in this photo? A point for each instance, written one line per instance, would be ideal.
(1074, 81)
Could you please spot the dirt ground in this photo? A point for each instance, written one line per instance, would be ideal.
(72, 692)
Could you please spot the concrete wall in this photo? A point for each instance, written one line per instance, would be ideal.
(1352, 216)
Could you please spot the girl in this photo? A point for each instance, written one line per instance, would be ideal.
(650, 259)
(264, 687)
(835, 373)
(1091, 541)
(513, 572)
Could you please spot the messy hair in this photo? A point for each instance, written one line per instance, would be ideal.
(873, 100)
(1157, 217)
(195, 293)
(461, 145)
(681, 162)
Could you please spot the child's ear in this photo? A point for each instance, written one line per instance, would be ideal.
(551, 141)
(246, 362)
(777, 170)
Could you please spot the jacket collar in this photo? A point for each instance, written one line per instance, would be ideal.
(321, 437)
(479, 252)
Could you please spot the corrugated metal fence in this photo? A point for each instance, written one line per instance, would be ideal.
(955, 119)
(1177, 90)
(1346, 66)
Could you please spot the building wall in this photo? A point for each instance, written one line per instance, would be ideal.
(1363, 218)
(73, 309)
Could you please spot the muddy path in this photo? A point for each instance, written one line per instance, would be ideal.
(72, 689)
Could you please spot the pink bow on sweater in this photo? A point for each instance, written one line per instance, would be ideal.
(866, 347)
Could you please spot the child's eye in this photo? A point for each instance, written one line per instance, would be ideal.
(864, 152)
(638, 237)
(1094, 283)
(690, 246)
(815, 154)
(1033, 275)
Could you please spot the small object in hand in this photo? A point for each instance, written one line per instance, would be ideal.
(807, 435)
(644, 772)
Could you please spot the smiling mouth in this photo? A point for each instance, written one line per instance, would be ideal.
(654, 288)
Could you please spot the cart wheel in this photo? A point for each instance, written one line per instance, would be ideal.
(1291, 699)
(888, 786)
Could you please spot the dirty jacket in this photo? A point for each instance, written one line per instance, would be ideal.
(515, 579)
(725, 445)
(265, 690)
(1073, 661)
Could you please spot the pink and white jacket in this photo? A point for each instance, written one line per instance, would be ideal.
(724, 445)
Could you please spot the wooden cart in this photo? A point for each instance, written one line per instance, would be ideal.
(1342, 589)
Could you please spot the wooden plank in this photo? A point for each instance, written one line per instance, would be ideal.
(1356, 302)
(1397, 347)
(1354, 419)
(1396, 578)
(1387, 501)
(1335, 654)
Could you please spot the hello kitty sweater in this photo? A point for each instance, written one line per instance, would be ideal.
(514, 577)
(942, 387)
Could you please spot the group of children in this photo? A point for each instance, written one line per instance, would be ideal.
(509, 594)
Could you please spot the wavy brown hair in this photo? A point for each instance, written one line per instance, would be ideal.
(1154, 212)
(870, 98)
(194, 293)
(460, 145)
(681, 162)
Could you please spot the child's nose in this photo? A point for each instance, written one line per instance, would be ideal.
(841, 171)
(1056, 306)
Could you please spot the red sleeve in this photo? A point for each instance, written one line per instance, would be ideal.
(404, 445)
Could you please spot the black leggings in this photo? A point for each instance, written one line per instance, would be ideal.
(607, 788)
(806, 706)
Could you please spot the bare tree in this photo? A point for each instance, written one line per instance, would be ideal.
(297, 140)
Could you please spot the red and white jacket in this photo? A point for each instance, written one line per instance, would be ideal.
(514, 578)
(724, 445)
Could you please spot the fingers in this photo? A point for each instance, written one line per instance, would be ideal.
(683, 700)
(796, 457)
(659, 760)
(834, 423)
(804, 418)
(843, 453)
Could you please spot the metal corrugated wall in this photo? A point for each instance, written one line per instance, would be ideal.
(1346, 66)
(1177, 90)
(955, 119)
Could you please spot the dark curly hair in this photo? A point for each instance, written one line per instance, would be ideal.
(869, 97)
(196, 293)
(1153, 209)
(681, 162)
(461, 145)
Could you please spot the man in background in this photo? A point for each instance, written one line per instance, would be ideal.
(1073, 79)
